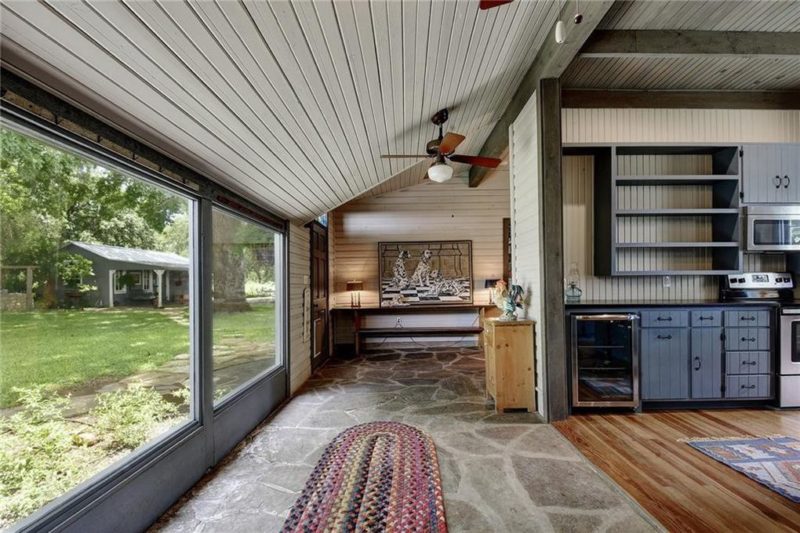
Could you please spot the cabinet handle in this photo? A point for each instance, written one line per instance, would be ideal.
(750, 318)
(706, 318)
(788, 181)
(750, 339)
(748, 386)
(664, 319)
(777, 181)
(699, 363)
(751, 363)
(664, 337)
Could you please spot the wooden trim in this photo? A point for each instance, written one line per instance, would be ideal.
(674, 43)
(592, 98)
(555, 350)
(507, 250)
(551, 61)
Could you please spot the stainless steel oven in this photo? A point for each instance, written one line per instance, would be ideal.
(773, 228)
(789, 359)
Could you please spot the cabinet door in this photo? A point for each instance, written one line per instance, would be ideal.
(706, 352)
(790, 171)
(665, 364)
(761, 177)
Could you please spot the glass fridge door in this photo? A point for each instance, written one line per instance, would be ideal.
(604, 361)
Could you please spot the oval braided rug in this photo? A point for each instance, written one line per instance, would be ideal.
(380, 476)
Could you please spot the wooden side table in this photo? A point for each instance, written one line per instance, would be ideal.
(509, 364)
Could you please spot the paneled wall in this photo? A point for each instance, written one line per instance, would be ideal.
(299, 274)
(656, 126)
(526, 227)
(427, 212)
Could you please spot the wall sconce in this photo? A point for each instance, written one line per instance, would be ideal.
(355, 288)
(490, 284)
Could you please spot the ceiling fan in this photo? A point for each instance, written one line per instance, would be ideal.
(489, 4)
(441, 149)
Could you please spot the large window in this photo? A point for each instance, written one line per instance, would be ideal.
(246, 288)
(95, 342)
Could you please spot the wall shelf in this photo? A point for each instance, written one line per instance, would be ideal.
(680, 211)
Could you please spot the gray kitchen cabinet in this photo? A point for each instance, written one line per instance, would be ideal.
(747, 339)
(748, 386)
(771, 173)
(706, 354)
(665, 363)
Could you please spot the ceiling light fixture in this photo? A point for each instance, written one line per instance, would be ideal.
(440, 171)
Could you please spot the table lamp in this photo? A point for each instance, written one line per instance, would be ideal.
(490, 284)
(355, 288)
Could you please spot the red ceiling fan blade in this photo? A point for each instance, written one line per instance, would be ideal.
(478, 161)
(489, 4)
(405, 156)
(450, 142)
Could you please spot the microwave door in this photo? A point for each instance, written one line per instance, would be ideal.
(774, 233)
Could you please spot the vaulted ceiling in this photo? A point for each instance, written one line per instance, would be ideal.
(288, 103)
(700, 71)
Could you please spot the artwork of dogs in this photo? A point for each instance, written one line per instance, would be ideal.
(441, 273)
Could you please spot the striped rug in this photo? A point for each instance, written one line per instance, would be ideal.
(380, 476)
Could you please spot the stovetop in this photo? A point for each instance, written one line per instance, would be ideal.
(757, 286)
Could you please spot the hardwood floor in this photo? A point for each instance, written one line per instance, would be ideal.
(682, 488)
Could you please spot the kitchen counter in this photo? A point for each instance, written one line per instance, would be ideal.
(618, 304)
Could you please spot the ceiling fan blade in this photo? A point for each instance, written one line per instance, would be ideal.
(489, 4)
(405, 156)
(450, 142)
(478, 161)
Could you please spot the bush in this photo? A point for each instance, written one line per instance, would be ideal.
(253, 289)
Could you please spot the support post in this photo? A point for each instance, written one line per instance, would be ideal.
(166, 286)
(29, 288)
(555, 360)
(111, 273)
(160, 273)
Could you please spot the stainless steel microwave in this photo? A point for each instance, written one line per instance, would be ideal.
(773, 228)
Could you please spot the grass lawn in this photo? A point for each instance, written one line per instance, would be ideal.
(70, 348)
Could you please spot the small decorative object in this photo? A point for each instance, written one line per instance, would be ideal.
(490, 284)
(354, 288)
(574, 292)
(507, 299)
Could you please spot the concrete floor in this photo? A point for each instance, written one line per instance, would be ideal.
(499, 472)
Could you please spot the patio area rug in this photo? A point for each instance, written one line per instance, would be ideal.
(380, 476)
(773, 461)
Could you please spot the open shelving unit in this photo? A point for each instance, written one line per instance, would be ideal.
(704, 205)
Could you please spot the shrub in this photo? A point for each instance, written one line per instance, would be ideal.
(126, 417)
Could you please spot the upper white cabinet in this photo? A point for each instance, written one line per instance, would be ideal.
(771, 173)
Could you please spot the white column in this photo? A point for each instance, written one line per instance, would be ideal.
(166, 286)
(160, 274)
(111, 287)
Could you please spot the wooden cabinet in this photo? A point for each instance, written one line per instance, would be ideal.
(509, 363)
(665, 363)
(771, 173)
(706, 351)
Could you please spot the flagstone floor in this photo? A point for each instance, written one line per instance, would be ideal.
(499, 472)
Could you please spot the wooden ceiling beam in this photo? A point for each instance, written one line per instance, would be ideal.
(677, 43)
(594, 98)
(551, 61)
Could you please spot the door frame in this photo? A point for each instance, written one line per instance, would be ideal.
(316, 362)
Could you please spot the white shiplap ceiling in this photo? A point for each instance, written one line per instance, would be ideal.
(696, 72)
(288, 103)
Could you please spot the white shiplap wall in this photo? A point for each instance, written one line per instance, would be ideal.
(428, 211)
(526, 226)
(299, 274)
(656, 126)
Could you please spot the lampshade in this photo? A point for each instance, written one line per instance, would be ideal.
(440, 172)
(355, 285)
(490, 283)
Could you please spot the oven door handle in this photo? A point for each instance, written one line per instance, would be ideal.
(790, 311)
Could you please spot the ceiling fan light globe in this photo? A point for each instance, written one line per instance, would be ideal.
(440, 172)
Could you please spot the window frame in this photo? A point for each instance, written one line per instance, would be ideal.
(179, 458)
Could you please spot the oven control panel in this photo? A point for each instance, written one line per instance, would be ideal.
(761, 280)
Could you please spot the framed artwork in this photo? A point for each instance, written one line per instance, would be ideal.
(425, 273)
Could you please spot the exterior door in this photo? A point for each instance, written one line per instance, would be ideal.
(319, 294)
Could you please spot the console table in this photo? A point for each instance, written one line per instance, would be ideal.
(357, 314)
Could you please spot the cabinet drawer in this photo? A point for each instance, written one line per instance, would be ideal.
(756, 386)
(665, 318)
(748, 363)
(709, 319)
(747, 319)
(746, 339)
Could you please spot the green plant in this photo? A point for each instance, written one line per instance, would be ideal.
(127, 417)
